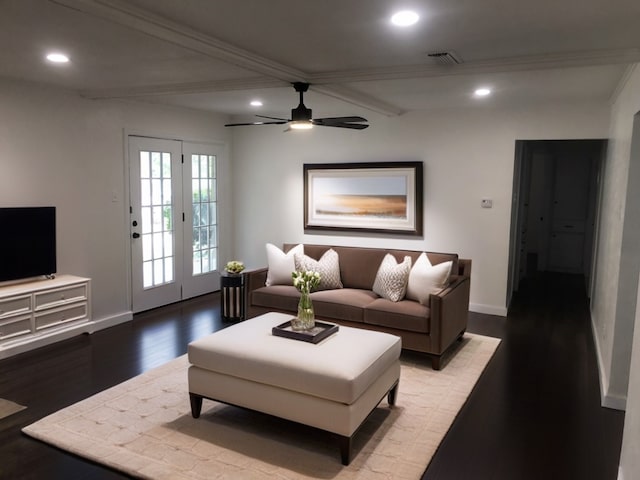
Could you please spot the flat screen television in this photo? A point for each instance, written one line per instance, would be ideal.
(27, 242)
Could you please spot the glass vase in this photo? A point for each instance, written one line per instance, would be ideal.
(305, 320)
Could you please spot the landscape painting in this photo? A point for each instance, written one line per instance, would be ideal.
(380, 197)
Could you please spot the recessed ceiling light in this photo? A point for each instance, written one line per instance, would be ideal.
(256, 103)
(405, 18)
(482, 92)
(57, 57)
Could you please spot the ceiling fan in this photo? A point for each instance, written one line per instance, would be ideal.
(301, 117)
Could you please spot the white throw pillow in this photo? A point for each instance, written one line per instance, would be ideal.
(281, 264)
(391, 279)
(425, 279)
(328, 267)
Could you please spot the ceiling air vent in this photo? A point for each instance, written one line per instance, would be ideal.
(444, 58)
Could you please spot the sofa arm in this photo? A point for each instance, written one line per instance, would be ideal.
(449, 313)
(255, 278)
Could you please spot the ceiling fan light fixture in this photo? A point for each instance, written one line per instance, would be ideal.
(301, 124)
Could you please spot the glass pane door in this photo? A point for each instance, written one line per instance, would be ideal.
(200, 171)
(156, 206)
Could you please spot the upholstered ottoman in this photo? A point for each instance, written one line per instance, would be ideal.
(333, 385)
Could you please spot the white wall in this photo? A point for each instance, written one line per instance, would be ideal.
(467, 155)
(59, 149)
(630, 252)
(629, 459)
(613, 303)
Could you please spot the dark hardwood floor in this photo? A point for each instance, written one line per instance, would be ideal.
(534, 414)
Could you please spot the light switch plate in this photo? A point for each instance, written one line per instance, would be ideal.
(486, 203)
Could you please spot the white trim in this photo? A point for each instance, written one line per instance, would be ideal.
(112, 321)
(607, 400)
(488, 309)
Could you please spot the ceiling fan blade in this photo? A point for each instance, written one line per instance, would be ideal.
(328, 120)
(255, 123)
(355, 126)
(273, 118)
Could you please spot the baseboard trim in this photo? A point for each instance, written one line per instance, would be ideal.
(112, 321)
(488, 309)
(607, 400)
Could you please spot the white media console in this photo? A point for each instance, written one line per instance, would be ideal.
(40, 312)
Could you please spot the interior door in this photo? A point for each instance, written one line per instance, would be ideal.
(569, 213)
(173, 221)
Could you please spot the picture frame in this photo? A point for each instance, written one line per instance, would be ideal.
(376, 197)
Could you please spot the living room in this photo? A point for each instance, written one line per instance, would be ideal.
(61, 148)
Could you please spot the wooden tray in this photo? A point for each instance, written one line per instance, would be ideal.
(316, 334)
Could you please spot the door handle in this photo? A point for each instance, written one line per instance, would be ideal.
(135, 235)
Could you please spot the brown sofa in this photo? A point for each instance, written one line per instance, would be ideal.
(430, 329)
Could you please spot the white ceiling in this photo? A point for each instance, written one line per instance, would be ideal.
(219, 54)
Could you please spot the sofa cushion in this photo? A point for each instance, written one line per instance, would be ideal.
(425, 279)
(281, 264)
(391, 279)
(342, 304)
(328, 267)
(405, 315)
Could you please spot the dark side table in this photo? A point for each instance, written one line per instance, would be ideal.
(232, 292)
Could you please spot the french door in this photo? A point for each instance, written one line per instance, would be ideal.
(173, 221)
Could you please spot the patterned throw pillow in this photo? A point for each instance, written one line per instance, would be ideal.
(281, 264)
(425, 279)
(328, 267)
(391, 279)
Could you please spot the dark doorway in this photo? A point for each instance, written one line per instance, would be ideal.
(556, 191)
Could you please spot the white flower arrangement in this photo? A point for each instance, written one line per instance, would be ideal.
(305, 281)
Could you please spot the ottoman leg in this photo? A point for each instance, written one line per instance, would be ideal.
(392, 395)
(196, 404)
(345, 449)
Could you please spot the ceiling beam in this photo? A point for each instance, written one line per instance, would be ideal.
(497, 65)
(161, 28)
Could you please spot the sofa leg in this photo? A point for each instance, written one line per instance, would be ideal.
(196, 404)
(435, 362)
(461, 336)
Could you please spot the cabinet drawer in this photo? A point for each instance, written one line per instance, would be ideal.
(60, 296)
(61, 315)
(15, 327)
(14, 305)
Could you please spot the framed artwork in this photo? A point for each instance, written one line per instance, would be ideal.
(368, 197)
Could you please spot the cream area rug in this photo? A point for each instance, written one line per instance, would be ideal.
(143, 427)
(7, 407)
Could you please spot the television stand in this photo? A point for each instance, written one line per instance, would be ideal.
(40, 312)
